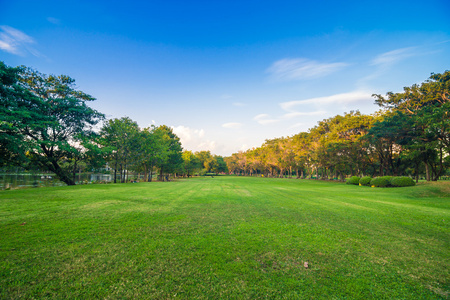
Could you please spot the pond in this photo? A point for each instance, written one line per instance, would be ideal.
(28, 180)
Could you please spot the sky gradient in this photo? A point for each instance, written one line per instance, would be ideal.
(226, 75)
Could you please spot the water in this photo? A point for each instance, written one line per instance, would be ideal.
(29, 180)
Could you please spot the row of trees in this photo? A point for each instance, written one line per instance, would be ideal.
(126, 147)
(410, 135)
(46, 123)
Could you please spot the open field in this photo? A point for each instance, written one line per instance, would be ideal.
(226, 237)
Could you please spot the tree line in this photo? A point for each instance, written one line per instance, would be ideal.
(46, 123)
(409, 135)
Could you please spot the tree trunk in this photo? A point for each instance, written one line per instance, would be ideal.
(115, 172)
(161, 177)
(74, 171)
(441, 166)
(151, 173)
(427, 171)
(55, 168)
(417, 172)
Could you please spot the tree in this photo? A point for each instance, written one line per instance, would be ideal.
(44, 116)
(190, 162)
(150, 147)
(120, 139)
(12, 147)
(169, 158)
(421, 113)
(219, 165)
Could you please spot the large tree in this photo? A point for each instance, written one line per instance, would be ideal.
(45, 117)
(120, 137)
(169, 157)
(190, 162)
(418, 119)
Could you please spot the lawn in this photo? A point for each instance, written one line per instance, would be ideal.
(226, 237)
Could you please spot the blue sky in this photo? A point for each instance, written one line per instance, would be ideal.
(226, 75)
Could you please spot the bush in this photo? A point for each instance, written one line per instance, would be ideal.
(365, 181)
(383, 181)
(353, 180)
(402, 181)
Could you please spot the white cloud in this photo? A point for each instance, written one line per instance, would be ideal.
(15, 41)
(301, 68)
(295, 114)
(391, 57)
(264, 119)
(232, 125)
(54, 20)
(297, 125)
(239, 104)
(340, 99)
(193, 139)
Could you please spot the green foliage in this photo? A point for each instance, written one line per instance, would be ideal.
(169, 156)
(383, 181)
(45, 118)
(121, 144)
(191, 163)
(365, 181)
(402, 181)
(353, 180)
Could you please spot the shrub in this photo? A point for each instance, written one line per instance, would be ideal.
(365, 181)
(383, 181)
(402, 181)
(353, 180)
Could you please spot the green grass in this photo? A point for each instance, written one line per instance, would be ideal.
(225, 237)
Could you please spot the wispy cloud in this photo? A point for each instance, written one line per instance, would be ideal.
(340, 99)
(301, 68)
(232, 125)
(265, 119)
(54, 20)
(16, 42)
(296, 114)
(297, 125)
(391, 57)
(193, 139)
(239, 104)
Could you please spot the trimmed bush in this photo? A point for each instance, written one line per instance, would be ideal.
(353, 180)
(402, 181)
(383, 181)
(365, 181)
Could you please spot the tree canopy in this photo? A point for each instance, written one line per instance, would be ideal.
(44, 117)
(410, 133)
(45, 121)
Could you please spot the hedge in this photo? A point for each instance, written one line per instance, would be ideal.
(402, 181)
(383, 181)
(353, 180)
(365, 181)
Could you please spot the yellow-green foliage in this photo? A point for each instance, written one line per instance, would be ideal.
(402, 181)
(383, 181)
(365, 181)
(353, 180)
